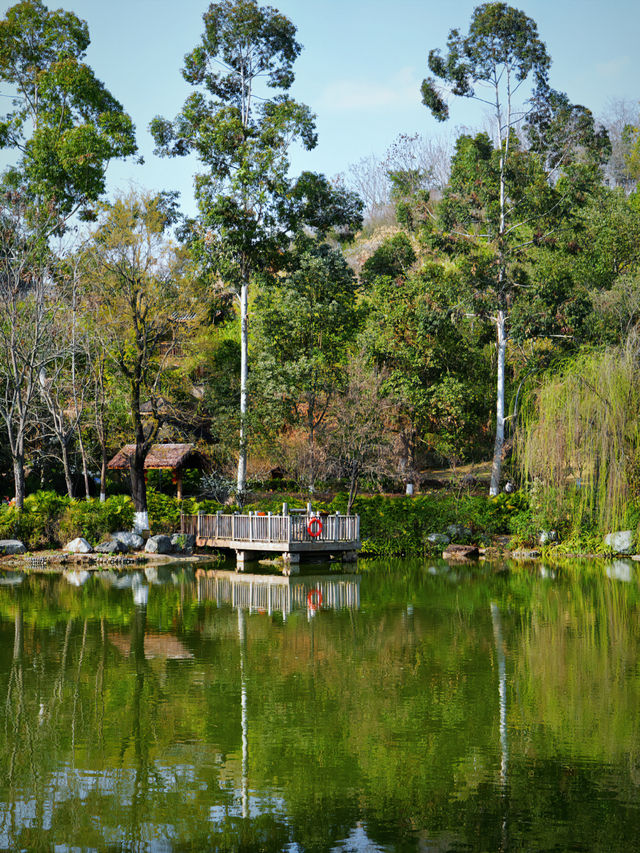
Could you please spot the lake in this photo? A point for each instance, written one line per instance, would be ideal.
(412, 706)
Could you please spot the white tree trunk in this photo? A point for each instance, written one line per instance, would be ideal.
(244, 375)
(496, 468)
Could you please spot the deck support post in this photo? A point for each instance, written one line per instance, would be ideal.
(349, 561)
(244, 557)
(291, 562)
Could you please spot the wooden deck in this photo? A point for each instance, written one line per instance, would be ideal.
(290, 535)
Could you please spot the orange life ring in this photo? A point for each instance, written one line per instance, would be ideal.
(314, 599)
(314, 527)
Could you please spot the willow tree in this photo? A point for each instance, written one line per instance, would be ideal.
(581, 437)
(503, 64)
(241, 133)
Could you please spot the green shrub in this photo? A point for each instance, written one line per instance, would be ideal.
(94, 520)
(36, 524)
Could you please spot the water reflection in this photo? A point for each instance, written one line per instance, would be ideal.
(408, 713)
(275, 593)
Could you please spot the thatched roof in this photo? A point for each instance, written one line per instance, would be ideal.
(166, 456)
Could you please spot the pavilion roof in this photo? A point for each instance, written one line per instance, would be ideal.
(161, 456)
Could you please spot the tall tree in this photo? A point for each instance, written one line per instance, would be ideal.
(64, 123)
(494, 63)
(132, 281)
(248, 205)
(304, 326)
(25, 327)
(65, 127)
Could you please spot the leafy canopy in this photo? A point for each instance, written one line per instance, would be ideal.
(499, 37)
(242, 134)
(64, 123)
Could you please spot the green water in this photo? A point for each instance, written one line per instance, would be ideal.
(410, 707)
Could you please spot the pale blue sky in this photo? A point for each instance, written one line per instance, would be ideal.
(360, 70)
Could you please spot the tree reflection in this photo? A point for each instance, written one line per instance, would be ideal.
(443, 713)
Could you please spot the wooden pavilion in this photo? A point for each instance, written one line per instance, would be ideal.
(164, 457)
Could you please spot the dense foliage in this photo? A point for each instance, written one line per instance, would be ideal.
(366, 363)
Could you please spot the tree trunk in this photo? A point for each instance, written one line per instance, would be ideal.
(103, 476)
(244, 376)
(496, 468)
(18, 479)
(85, 469)
(312, 448)
(138, 485)
(66, 468)
(353, 485)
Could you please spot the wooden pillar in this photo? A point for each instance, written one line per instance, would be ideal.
(179, 485)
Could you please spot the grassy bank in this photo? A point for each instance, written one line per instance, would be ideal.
(389, 525)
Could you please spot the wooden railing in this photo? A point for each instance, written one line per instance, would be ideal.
(285, 529)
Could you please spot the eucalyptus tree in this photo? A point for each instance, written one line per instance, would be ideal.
(248, 205)
(503, 64)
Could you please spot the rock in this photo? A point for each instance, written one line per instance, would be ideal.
(132, 541)
(11, 579)
(11, 546)
(621, 541)
(158, 544)
(77, 578)
(124, 581)
(460, 552)
(183, 543)
(524, 554)
(458, 531)
(620, 570)
(111, 546)
(78, 546)
(439, 539)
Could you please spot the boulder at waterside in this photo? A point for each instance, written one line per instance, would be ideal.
(621, 541)
(78, 546)
(459, 532)
(439, 539)
(547, 536)
(111, 546)
(183, 543)
(158, 544)
(131, 541)
(11, 546)
(460, 552)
